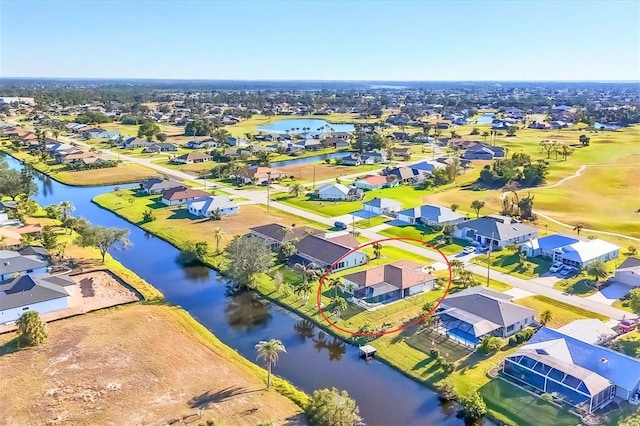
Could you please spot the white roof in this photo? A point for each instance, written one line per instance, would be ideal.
(212, 203)
(588, 330)
(584, 251)
(344, 189)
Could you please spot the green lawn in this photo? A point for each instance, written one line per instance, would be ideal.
(509, 264)
(579, 286)
(630, 343)
(562, 312)
(513, 405)
(371, 222)
(425, 233)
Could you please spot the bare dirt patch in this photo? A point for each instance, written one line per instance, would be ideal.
(93, 290)
(132, 365)
(323, 171)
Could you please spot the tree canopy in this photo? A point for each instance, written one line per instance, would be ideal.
(248, 257)
(103, 238)
(31, 329)
(330, 407)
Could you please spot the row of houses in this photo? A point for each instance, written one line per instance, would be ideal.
(90, 132)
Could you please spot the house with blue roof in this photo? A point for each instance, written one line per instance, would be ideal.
(545, 246)
(570, 251)
(582, 374)
(431, 215)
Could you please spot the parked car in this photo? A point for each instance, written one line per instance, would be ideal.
(566, 271)
(483, 249)
(556, 267)
(469, 249)
(340, 225)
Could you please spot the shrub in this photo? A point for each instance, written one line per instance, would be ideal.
(447, 391)
(330, 407)
(547, 397)
(448, 367)
(148, 215)
(32, 330)
(434, 353)
(513, 341)
(473, 406)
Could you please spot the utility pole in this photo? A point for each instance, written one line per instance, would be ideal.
(268, 188)
(489, 258)
(314, 177)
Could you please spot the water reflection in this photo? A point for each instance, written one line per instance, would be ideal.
(198, 273)
(46, 184)
(246, 312)
(305, 329)
(337, 349)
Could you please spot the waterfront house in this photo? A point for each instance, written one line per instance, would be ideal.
(582, 374)
(209, 205)
(13, 264)
(321, 253)
(42, 293)
(192, 158)
(338, 191)
(431, 215)
(274, 235)
(156, 185)
(386, 283)
(469, 315)
(383, 206)
(371, 182)
(309, 144)
(180, 195)
(495, 230)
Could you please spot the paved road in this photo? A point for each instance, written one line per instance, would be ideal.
(260, 197)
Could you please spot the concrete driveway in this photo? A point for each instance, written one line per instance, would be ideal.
(611, 293)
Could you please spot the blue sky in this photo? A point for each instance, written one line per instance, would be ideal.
(359, 40)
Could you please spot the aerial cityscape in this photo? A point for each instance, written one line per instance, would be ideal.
(319, 213)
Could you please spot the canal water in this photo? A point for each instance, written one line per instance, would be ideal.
(305, 160)
(313, 360)
(296, 126)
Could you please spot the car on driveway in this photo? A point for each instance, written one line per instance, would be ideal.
(566, 271)
(556, 267)
(469, 250)
(340, 225)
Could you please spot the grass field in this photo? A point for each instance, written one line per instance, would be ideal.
(630, 343)
(611, 160)
(425, 233)
(513, 405)
(509, 264)
(562, 312)
(143, 362)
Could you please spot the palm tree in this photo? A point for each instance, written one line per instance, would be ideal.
(597, 270)
(485, 135)
(339, 306)
(456, 267)
(578, 228)
(477, 205)
(377, 250)
(303, 289)
(295, 190)
(217, 236)
(66, 207)
(269, 351)
(335, 284)
(546, 317)
(426, 308)
(467, 279)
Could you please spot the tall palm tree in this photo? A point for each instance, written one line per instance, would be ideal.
(597, 270)
(295, 190)
(456, 267)
(467, 279)
(269, 351)
(66, 208)
(426, 308)
(546, 317)
(377, 250)
(335, 284)
(339, 306)
(217, 236)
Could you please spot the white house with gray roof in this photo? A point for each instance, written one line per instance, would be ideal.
(34, 292)
(322, 253)
(13, 264)
(207, 206)
(431, 214)
(384, 206)
(496, 230)
(628, 272)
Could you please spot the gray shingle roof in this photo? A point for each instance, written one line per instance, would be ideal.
(324, 250)
(500, 227)
(277, 232)
(30, 289)
(19, 263)
(157, 184)
(490, 305)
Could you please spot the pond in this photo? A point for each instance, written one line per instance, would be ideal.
(313, 360)
(598, 126)
(281, 126)
(306, 160)
(483, 119)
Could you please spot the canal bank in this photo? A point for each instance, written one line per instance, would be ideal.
(314, 360)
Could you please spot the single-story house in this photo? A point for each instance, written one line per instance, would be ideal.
(496, 230)
(207, 206)
(590, 330)
(10, 239)
(341, 135)
(384, 206)
(42, 293)
(180, 195)
(336, 142)
(405, 174)
(469, 315)
(13, 264)
(156, 185)
(133, 143)
(628, 272)
(160, 147)
(431, 214)
(74, 156)
(371, 182)
(539, 125)
(322, 253)
(582, 374)
(309, 144)
(401, 152)
(338, 191)
(261, 175)
(427, 166)
(92, 132)
(355, 160)
(377, 156)
(483, 152)
(583, 253)
(192, 158)
(547, 245)
(275, 234)
(389, 282)
(36, 251)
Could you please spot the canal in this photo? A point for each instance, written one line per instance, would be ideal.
(313, 360)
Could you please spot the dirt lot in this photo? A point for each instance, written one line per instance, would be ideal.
(129, 366)
(304, 172)
(93, 290)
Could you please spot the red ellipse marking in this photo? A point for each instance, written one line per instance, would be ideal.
(404, 327)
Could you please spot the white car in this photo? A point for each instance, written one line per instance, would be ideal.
(556, 267)
(469, 249)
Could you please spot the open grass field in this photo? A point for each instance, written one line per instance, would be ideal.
(630, 343)
(603, 197)
(562, 312)
(178, 226)
(135, 364)
(509, 264)
(425, 233)
(513, 405)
